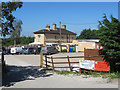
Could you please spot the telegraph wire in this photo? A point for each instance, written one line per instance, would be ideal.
(95, 23)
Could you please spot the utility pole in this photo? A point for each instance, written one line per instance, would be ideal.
(14, 40)
(60, 36)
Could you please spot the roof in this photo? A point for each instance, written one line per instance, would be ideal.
(57, 31)
(51, 43)
(35, 43)
(88, 40)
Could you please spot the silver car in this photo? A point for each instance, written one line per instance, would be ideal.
(49, 50)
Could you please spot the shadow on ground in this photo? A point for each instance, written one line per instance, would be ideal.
(22, 73)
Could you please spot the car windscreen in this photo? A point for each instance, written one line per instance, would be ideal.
(24, 48)
(0, 50)
(31, 48)
(43, 48)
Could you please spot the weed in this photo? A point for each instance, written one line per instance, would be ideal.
(66, 72)
(91, 74)
(114, 75)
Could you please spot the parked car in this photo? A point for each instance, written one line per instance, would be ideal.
(0, 51)
(16, 50)
(39, 50)
(7, 51)
(49, 50)
(30, 50)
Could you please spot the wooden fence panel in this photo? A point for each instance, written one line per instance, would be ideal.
(88, 56)
(92, 52)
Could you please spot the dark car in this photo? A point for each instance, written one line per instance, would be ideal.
(49, 50)
(0, 51)
(39, 50)
(7, 51)
(30, 50)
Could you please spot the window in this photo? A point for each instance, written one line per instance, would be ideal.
(72, 38)
(67, 37)
(55, 37)
(38, 36)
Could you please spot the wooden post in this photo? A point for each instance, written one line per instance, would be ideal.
(89, 57)
(84, 70)
(109, 72)
(80, 71)
(52, 63)
(69, 63)
(41, 57)
(46, 60)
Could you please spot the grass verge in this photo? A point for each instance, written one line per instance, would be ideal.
(104, 75)
(92, 74)
(66, 72)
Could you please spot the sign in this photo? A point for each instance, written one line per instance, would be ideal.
(94, 65)
(87, 64)
(102, 66)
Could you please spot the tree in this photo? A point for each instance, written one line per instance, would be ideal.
(26, 40)
(22, 40)
(16, 33)
(88, 34)
(7, 17)
(110, 40)
(6, 22)
(7, 42)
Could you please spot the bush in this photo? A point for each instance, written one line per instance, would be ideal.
(110, 40)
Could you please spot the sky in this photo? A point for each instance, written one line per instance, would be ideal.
(65, 0)
(76, 15)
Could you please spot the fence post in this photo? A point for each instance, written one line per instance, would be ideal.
(41, 57)
(46, 60)
(80, 71)
(69, 63)
(52, 63)
(89, 57)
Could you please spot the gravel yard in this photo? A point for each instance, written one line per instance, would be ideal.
(26, 73)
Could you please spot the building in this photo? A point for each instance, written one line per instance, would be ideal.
(84, 43)
(88, 44)
(52, 36)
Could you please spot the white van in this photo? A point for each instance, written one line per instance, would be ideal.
(16, 50)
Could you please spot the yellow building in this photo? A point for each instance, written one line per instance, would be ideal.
(83, 43)
(52, 36)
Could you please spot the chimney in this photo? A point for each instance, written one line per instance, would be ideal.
(63, 26)
(53, 26)
(48, 27)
